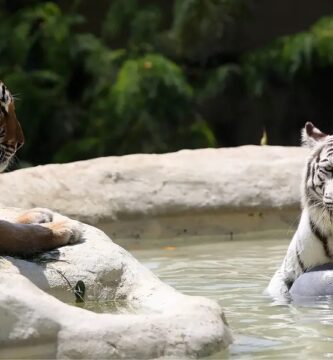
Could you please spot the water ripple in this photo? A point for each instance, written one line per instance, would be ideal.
(235, 273)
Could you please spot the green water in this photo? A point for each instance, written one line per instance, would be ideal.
(235, 273)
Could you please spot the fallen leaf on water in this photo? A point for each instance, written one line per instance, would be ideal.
(169, 248)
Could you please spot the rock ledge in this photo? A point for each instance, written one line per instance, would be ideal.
(154, 320)
(190, 192)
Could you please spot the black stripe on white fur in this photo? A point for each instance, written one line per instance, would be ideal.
(6, 150)
(322, 238)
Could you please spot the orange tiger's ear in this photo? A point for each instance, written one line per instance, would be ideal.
(311, 136)
(13, 131)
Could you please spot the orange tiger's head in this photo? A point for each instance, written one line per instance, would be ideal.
(11, 134)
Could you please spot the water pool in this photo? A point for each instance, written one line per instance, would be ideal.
(235, 273)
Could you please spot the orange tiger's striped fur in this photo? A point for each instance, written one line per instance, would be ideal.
(32, 231)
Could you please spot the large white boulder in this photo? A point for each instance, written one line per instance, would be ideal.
(153, 319)
(190, 192)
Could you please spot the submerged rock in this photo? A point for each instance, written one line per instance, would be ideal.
(316, 282)
(154, 320)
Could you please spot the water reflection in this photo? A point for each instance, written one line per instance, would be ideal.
(235, 274)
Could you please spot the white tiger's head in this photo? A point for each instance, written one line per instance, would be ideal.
(11, 134)
(318, 181)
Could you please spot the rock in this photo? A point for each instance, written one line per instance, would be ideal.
(190, 192)
(318, 281)
(154, 319)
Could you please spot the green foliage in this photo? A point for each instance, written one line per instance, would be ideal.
(152, 96)
(139, 24)
(143, 84)
(290, 57)
(322, 32)
(80, 98)
(147, 108)
(198, 26)
(35, 57)
(218, 80)
(118, 17)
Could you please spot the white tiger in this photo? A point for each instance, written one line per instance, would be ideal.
(312, 243)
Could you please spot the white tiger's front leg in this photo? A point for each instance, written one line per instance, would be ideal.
(280, 284)
(288, 272)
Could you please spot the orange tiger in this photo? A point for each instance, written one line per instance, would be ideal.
(34, 230)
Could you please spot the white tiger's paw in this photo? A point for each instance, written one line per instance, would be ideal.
(36, 216)
(65, 231)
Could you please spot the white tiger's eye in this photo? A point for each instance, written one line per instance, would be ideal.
(326, 166)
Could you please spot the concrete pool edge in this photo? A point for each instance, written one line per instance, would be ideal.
(224, 191)
(227, 225)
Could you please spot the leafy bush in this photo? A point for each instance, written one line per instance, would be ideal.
(290, 57)
(81, 95)
(79, 98)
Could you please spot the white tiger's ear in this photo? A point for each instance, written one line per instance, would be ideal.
(311, 136)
